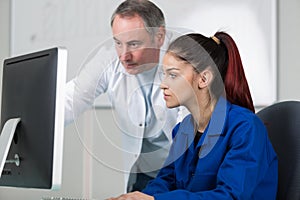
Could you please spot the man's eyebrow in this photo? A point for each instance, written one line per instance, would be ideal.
(116, 39)
(129, 42)
(134, 41)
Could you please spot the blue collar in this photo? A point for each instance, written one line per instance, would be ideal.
(213, 131)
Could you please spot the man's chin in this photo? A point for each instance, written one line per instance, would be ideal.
(137, 70)
(132, 71)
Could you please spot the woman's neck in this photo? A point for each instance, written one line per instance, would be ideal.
(202, 112)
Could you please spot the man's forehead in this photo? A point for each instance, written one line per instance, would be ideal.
(132, 35)
(127, 23)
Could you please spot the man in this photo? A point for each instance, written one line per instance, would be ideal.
(132, 83)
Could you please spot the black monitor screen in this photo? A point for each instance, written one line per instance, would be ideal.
(33, 90)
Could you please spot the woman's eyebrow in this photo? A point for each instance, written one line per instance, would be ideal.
(172, 68)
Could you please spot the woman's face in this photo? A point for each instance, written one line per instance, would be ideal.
(179, 83)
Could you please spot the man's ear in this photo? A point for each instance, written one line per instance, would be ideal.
(160, 35)
(205, 78)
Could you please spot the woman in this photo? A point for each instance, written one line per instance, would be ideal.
(221, 150)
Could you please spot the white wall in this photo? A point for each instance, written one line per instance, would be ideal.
(5, 28)
(85, 177)
(4, 33)
(288, 50)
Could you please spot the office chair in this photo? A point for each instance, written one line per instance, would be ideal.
(283, 123)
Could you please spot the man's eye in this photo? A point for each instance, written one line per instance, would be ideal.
(118, 44)
(135, 45)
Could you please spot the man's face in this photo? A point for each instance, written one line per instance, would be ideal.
(138, 51)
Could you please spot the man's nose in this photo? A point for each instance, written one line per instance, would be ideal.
(125, 54)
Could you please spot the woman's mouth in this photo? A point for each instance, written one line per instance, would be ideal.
(166, 96)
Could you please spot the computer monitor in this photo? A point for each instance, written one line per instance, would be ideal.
(32, 119)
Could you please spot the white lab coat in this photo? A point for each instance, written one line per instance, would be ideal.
(103, 73)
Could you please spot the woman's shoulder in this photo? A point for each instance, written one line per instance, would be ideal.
(238, 115)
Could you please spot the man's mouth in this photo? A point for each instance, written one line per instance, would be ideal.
(129, 65)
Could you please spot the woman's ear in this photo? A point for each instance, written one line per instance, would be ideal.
(205, 78)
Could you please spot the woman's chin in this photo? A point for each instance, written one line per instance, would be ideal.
(169, 105)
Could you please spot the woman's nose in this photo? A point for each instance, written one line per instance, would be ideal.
(163, 85)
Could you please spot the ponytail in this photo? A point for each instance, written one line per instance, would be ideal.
(222, 52)
(236, 85)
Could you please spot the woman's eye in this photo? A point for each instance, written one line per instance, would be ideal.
(172, 75)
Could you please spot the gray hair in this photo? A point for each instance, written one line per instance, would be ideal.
(152, 16)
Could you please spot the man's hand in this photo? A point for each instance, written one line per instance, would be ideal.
(133, 196)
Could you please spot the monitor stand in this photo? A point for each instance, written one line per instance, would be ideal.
(6, 138)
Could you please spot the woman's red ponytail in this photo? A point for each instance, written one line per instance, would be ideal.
(236, 85)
